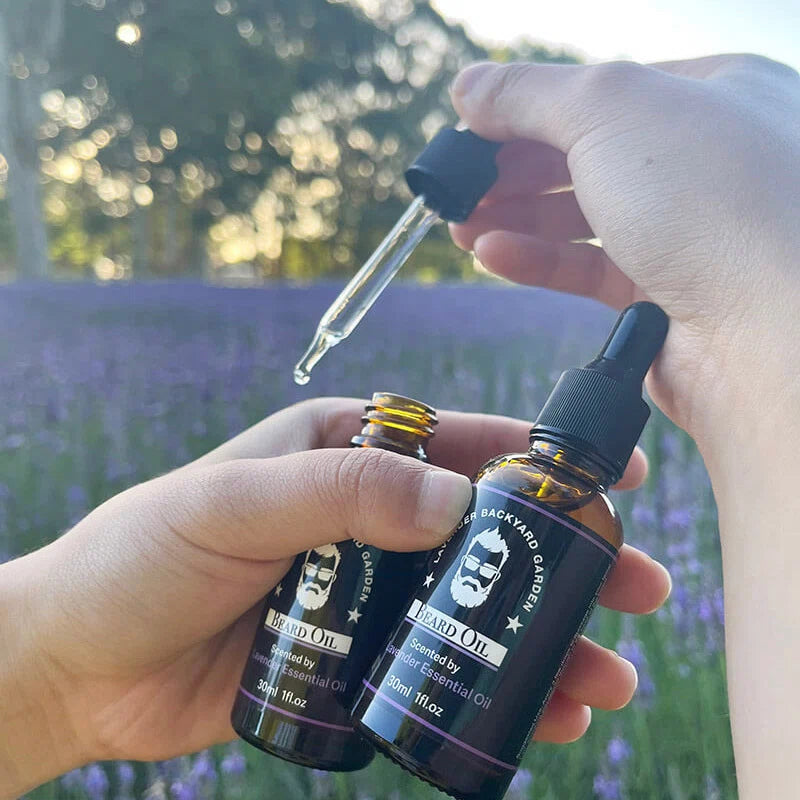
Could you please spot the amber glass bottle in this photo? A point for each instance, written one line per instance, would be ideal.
(464, 678)
(324, 623)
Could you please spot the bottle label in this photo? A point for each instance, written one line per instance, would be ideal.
(320, 629)
(487, 632)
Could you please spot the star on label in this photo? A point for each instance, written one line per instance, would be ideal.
(428, 580)
(278, 590)
(513, 624)
(354, 615)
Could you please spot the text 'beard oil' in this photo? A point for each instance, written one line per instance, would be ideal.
(466, 675)
(323, 625)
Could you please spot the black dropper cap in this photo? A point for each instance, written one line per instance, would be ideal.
(599, 407)
(454, 172)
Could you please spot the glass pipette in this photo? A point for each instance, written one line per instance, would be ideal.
(346, 311)
(449, 178)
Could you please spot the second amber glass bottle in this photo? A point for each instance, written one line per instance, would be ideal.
(480, 645)
(324, 623)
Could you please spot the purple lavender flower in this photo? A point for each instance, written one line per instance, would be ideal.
(13, 442)
(520, 783)
(321, 783)
(671, 445)
(77, 503)
(204, 770)
(125, 775)
(618, 751)
(719, 605)
(174, 768)
(679, 518)
(606, 788)
(643, 516)
(72, 781)
(234, 762)
(705, 610)
(184, 790)
(95, 782)
(632, 650)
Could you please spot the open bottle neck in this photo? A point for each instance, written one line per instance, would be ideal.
(397, 423)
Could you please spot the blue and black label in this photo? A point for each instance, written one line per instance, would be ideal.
(484, 637)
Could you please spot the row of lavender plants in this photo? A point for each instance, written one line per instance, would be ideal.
(102, 387)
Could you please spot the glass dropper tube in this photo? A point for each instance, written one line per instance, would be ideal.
(344, 314)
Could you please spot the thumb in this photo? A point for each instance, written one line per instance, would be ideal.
(179, 558)
(267, 509)
(553, 103)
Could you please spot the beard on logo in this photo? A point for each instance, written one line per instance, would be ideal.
(311, 596)
(467, 592)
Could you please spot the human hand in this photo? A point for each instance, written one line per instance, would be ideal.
(138, 621)
(687, 172)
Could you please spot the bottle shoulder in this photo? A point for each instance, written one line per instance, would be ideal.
(556, 487)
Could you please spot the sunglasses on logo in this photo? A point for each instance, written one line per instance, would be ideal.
(485, 570)
(322, 574)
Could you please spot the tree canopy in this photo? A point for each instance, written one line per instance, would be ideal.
(188, 135)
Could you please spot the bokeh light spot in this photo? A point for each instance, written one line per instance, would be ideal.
(142, 195)
(129, 33)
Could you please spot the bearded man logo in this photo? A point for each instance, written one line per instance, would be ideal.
(317, 576)
(479, 569)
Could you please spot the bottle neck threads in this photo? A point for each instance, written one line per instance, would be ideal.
(397, 423)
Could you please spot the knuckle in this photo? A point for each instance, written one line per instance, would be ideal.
(312, 405)
(359, 475)
(223, 479)
(752, 62)
(371, 483)
(309, 409)
(510, 80)
(223, 488)
(611, 77)
(351, 486)
(330, 419)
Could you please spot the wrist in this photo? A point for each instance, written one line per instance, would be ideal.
(742, 386)
(37, 743)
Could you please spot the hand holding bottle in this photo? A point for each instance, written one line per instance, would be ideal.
(126, 637)
(687, 172)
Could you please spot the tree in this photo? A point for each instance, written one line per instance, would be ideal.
(269, 132)
(282, 127)
(30, 33)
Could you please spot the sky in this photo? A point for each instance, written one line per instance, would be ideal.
(642, 30)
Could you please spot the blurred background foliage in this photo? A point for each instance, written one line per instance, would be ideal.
(258, 139)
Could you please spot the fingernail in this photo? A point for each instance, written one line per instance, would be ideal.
(668, 577)
(632, 668)
(444, 498)
(468, 78)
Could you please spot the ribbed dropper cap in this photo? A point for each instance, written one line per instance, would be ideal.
(599, 407)
(454, 172)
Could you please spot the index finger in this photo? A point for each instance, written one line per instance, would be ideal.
(557, 104)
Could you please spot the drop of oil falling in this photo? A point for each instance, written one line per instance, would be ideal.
(320, 344)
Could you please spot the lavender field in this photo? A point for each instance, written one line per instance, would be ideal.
(105, 386)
